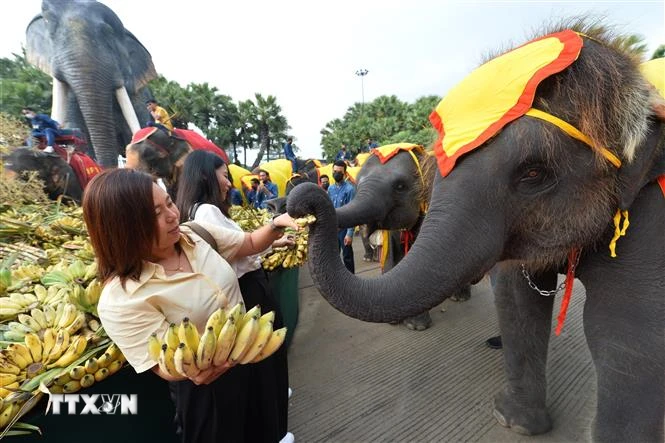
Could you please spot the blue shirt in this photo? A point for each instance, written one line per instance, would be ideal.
(236, 198)
(340, 194)
(258, 199)
(288, 151)
(341, 155)
(42, 121)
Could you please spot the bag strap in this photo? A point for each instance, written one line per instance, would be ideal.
(203, 233)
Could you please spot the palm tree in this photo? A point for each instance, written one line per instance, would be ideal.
(269, 124)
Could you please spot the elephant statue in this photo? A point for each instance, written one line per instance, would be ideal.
(162, 154)
(99, 72)
(545, 153)
(393, 188)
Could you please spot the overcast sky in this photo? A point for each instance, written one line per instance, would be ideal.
(306, 53)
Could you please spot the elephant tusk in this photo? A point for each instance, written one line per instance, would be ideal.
(127, 109)
(59, 109)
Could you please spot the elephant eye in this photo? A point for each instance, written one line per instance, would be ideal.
(533, 174)
(400, 186)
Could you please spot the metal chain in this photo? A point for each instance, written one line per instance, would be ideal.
(542, 292)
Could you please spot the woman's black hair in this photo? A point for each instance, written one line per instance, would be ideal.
(198, 183)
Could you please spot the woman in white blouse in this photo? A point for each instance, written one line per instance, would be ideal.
(156, 273)
(204, 197)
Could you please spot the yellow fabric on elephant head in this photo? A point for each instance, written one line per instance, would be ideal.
(654, 71)
(497, 93)
(362, 158)
(386, 152)
(237, 173)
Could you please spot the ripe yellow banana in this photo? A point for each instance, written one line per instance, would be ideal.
(114, 351)
(62, 379)
(77, 372)
(166, 363)
(115, 366)
(40, 318)
(68, 316)
(77, 324)
(49, 313)
(225, 342)
(71, 386)
(30, 322)
(101, 374)
(171, 336)
(154, 347)
(40, 292)
(262, 337)
(255, 312)
(91, 365)
(20, 352)
(61, 345)
(206, 350)
(73, 352)
(105, 360)
(87, 380)
(244, 339)
(8, 413)
(236, 312)
(34, 344)
(184, 361)
(276, 339)
(188, 334)
(216, 320)
(48, 342)
(6, 379)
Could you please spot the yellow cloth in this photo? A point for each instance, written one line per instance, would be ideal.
(130, 315)
(497, 93)
(362, 158)
(654, 71)
(387, 152)
(162, 117)
(351, 172)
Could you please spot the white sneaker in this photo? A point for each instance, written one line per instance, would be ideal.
(48, 149)
(290, 392)
(288, 438)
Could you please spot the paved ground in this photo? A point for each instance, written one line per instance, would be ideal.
(365, 382)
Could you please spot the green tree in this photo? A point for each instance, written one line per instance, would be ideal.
(269, 125)
(21, 85)
(659, 52)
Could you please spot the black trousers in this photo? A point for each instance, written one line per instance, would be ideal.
(347, 251)
(248, 403)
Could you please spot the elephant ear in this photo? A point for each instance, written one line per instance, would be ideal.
(39, 49)
(141, 68)
(648, 165)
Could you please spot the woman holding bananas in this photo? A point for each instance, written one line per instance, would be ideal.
(156, 273)
(203, 196)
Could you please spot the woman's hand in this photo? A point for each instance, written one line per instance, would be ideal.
(285, 221)
(211, 374)
(287, 240)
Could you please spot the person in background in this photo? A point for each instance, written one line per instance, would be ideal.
(252, 193)
(325, 182)
(142, 251)
(342, 192)
(203, 197)
(371, 144)
(343, 154)
(266, 190)
(236, 197)
(289, 155)
(160, 118)
(42, 125)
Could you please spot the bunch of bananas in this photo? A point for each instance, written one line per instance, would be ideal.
(250, 219)
(63, 316)
(95, 369)
(290, 257)
(233, 336)
(23, 361)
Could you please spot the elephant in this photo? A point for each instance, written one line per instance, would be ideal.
(392, 194)
(58, 176)
(542, 181)
(99, 69)
(162, 154)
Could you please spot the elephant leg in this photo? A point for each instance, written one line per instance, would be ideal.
(624, 329)
(462, 295)
(524, 321)
(419, 322)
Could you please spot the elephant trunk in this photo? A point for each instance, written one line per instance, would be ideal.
(361, 210)
(446, 256)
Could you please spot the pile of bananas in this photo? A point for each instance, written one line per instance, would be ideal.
(64, 316)
(290, 257)
(94, 369)
(248, 218)
(232, 336)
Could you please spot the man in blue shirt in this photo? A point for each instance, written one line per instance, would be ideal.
(371, 144)
(341, 192)
(262, 190)
(42, 125)
(343, 154)
(289, 155)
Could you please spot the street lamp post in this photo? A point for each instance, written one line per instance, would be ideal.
(362, 73)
